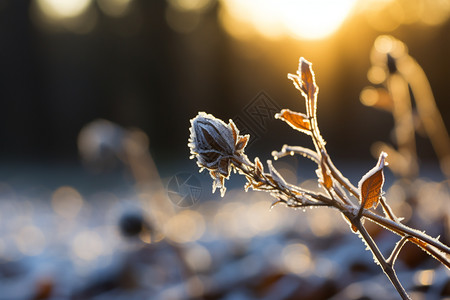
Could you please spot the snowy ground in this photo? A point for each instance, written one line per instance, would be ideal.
(74, 236)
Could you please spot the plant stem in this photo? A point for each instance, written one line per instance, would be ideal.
(387, 268)
(391, 260)
(402, 230)
(341, 178)
(387, 210)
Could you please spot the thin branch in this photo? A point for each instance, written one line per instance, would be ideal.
(438, 255)
(387, 268)
(402, 230)
(361, 209)
(312, 205)
(341, 194)
(290, 150)
(391, 260)
(388, 210)
(341, 178)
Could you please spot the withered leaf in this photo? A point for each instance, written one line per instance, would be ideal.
(308, 79)
(325, 178)
(259, 169)
(242, 142)
(234, 130)
(370, 186)
(253, 184)
(296, 120)
(305, 82)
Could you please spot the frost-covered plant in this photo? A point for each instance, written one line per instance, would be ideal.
(219, 148)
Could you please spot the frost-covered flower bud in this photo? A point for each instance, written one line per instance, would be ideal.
(214, 143)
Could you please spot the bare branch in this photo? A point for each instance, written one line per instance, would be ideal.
(387, 268)
(391, 260)
(291, 150)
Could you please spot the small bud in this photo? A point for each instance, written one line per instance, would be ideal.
(214, 143)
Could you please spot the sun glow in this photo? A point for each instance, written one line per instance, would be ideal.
(302, 19)
(57, 9)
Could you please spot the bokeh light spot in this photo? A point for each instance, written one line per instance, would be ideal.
(321, 222)
(435, 12)
(67, 202)
(376, 75)
(296, 258)
(369, 96)
(198, 258)
(189, 5)
(30, 240)
(182, 21)
(261, 219)
(187, 226)
(114, 8)
(384, 44)
(87, 245)
(424, 277)
(384, 16)
(60, 9)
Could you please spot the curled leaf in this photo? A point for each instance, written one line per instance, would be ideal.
(370, 186)
(296, 120)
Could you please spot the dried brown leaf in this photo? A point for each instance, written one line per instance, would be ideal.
(371, 184)
(296, 120)
(326, 178)
(305, 82)
(234, 130)
(259, 169)
(308, 79)
(242, 142)
(353, 227)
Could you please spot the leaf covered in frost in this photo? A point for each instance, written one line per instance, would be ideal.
(305, 82)
(370, 186)
(296, 120)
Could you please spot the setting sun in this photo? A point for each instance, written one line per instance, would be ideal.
(302, 19)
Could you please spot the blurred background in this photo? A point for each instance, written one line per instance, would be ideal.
(155, 64)
(95, 102)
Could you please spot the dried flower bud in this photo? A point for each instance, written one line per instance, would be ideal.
(214, 143)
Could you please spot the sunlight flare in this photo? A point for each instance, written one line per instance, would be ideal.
(302, 19)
